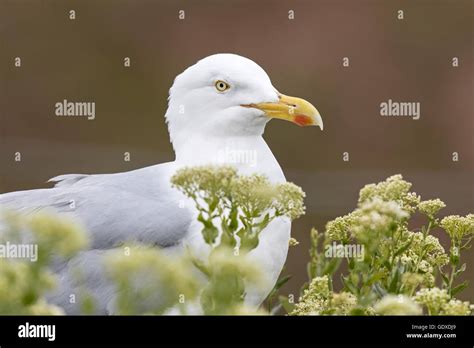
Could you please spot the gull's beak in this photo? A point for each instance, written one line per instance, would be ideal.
(293, 109)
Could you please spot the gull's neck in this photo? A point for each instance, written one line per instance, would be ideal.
(249, 153)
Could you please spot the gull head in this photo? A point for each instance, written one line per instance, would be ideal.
(230, 95)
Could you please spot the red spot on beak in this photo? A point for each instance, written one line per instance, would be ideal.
(302, 120)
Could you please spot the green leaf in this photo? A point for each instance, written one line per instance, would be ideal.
(287, 306)
(461, 269)
(351, 263)
(244, 221)
(310, 270)
(394, 282)
(227, 239)
(282, 281)
(266, 219)
(201, 266)
(210, 234)
(233, 223)
(404, 247)
(249, 242)
(376, 277)
(459, 288)
(445, 278)
(348, 285)
(213, 204)
(241, 232)
(379, 290)
(358, 311)
(332, 266)
(205, 222)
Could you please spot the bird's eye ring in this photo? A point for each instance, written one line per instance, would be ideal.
(221, 86)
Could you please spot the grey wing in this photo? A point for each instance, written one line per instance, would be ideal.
(133, 206)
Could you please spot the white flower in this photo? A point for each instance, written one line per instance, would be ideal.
(397, 305)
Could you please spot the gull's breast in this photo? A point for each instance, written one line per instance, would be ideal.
(249, 156)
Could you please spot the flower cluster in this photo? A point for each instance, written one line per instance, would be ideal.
(458, 227)
(431, 207)
(394, 189)
(379, 207)
(234, 209)
(237, 207)
(376, 216)
(400, 266)
(317, 299)
(293, 242)
(438, 302)
(396, 275)
(339, 229)
(289, 200)
(204, 180)
(148, 281)
(423, 257)
(397, 305)
(23, 284)
(227, 275)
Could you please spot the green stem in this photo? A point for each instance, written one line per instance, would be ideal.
(422, 255)
(452, 276)
(451, 279)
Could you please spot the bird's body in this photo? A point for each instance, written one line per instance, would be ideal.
(142, 206)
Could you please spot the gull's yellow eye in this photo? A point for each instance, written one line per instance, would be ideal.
(221, 86)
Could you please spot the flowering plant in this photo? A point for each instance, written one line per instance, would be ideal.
(401, 271)
(233, 210)
(23, 284)
(368, 262)
(237, 207)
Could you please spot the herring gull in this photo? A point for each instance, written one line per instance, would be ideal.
(217, 107)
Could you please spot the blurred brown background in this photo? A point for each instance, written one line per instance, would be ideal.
(402, 60)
